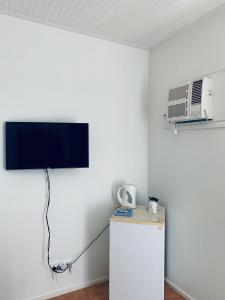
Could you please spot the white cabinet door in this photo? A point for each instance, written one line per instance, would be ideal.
(136, 261)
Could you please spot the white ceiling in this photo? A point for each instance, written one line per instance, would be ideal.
(140, 23)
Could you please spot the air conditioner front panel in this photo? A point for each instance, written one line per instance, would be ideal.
(192, 101)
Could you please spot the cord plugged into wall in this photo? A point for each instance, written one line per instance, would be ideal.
(62, 267)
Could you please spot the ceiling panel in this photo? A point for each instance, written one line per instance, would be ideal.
(140, 23)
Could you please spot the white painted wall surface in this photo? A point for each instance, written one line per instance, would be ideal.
(47, 74)
(187, 171)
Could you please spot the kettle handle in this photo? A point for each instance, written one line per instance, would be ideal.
(118, 195)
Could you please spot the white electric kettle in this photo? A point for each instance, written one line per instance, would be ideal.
(126, 195)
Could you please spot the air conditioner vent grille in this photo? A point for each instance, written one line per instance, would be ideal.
(196, 92)
(178, 93)
(178, 110)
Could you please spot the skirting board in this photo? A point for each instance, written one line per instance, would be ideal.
(70, 289)
(179, 290)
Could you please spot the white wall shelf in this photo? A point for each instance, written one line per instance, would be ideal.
(196, 125)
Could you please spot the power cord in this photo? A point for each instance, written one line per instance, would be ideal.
(68, 266)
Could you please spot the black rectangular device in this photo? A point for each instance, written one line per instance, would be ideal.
(42, 145)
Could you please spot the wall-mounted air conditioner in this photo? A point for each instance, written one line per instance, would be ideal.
(191, 101)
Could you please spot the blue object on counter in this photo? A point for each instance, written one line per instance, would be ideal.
(123, 212)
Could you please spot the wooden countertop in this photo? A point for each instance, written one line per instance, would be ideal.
(142, 216)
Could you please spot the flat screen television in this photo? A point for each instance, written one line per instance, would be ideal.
(32, 145)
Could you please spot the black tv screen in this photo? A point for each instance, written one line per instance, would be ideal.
(30, 145)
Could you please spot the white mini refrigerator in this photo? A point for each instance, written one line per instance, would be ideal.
(136, 270)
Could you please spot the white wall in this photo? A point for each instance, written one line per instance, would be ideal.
(187, 171)
(47, 74)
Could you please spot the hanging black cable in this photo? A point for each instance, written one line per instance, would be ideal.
(69, 265)
(46, 217)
